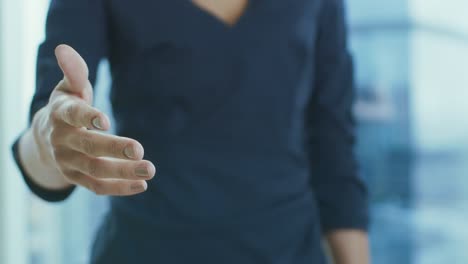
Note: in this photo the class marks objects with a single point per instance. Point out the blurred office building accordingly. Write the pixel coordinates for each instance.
(411, 58)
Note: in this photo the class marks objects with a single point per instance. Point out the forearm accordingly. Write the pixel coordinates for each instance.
(348, 246)
(39, 170)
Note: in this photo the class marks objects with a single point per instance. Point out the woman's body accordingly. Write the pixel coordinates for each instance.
(244, 106)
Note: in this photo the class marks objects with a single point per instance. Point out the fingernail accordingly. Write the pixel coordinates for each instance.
(141, 172)
(129, 152)
(136, 187)
(97, 123)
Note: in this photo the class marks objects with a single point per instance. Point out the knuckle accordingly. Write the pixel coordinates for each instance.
(55, 105)
(70, 112)
(56, 109)
(55, 115)
(123, 172)
(87, 144)
(113, 147)
(88, 115)
(92, 166)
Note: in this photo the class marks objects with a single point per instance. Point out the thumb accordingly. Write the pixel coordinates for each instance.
(75, 72)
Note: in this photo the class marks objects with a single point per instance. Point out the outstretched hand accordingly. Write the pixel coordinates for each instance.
(67, 132)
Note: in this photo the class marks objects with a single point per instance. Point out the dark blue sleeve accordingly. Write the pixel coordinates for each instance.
(340, 192)
(83, 25)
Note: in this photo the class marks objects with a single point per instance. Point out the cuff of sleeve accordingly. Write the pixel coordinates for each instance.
(355, 215)
(355, 223)
(41, 192)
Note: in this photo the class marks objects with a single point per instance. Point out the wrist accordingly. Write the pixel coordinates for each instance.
(348, 246)
(38, 168)
(34, 138)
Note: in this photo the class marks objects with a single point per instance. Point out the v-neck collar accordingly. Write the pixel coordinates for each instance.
(218, 21)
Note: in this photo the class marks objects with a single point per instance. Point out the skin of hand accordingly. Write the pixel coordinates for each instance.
(348, 246)
(65, 145)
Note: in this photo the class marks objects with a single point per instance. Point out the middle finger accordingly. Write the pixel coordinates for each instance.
(97, 144)
(109, 168)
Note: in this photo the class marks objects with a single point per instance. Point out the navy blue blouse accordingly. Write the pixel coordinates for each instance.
(250, 126)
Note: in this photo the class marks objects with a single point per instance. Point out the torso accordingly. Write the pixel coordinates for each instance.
(218, 99)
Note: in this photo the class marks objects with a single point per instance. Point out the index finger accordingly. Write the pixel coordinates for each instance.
(78, 113)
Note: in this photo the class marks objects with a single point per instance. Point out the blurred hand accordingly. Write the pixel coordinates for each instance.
(68, 138)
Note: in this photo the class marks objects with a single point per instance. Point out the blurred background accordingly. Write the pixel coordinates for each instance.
(411, 61)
